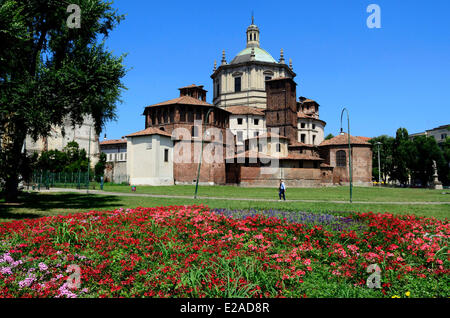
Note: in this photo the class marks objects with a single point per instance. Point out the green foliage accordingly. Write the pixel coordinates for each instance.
(329, 136)
(50, 73)
(71, 159)
(425, 152)
(100, 167)
(386, 159)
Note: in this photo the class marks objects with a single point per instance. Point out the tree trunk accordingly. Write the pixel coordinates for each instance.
(12, 143)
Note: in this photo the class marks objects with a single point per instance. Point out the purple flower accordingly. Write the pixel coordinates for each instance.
(43, 267)
(27, 282)
(6, 270)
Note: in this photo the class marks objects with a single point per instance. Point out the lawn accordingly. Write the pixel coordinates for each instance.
(36, 205)
(368, 194)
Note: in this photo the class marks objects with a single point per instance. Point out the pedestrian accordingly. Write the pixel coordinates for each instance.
(282, 190)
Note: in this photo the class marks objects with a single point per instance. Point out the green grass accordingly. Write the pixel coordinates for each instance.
(367, 194)
(36, 205)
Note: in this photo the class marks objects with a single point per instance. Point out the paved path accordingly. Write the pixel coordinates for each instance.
(226, 198)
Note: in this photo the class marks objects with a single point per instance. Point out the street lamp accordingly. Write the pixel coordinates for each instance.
(379, 164)
(349, 150)
(201, 156)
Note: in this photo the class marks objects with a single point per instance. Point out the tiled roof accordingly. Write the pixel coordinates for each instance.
(268, 135)
(150, 131)
(191, 86)
(245, 110)
(343, 140)
(299, 144)
(303, 115)
(113, 142)
(299, 156)
(183, 100)
(364, 138)
(252, 154)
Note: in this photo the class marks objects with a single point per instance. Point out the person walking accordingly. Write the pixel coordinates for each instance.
(282, 190)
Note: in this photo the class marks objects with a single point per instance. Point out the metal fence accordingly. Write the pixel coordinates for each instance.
(46, 180)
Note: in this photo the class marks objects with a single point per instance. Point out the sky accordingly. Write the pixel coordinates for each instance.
(389, 77)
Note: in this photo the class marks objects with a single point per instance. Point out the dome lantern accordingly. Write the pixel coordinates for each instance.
(253, 35)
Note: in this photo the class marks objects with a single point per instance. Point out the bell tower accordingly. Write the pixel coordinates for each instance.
(281, 112)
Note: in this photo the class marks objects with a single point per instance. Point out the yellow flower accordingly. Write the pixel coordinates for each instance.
(395, 296)
(408, 294)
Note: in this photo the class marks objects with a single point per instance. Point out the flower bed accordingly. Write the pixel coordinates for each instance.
(190, 251)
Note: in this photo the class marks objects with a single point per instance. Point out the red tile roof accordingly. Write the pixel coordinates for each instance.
(245, 110)
(113, 142)
(268, 135)
(343, 140)
(295, 144)
(183, 100)
(364, 138)
(252, 154)
(192, 85)
(299, 156)
(150, 131)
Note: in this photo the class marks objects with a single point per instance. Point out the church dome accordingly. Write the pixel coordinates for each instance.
(260, 55)
(253, 52)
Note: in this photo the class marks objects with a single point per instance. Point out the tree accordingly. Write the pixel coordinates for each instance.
(402, 156)
(100, 167)
(50, 72)
(329, 136)
(425, 153)
(386, 160)
(444, 170)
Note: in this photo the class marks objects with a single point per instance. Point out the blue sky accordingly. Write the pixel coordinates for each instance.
(396, 76)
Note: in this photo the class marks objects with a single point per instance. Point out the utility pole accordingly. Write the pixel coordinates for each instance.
(379, 164)
(89, 159)
(349, 151)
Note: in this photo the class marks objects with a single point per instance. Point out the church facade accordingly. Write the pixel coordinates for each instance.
(254, 133)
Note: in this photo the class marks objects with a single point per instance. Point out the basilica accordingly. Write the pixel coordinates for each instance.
(261, 131)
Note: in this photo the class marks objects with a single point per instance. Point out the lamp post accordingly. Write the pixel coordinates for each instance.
(201, 156)
(89, 159)
(349, 151)
(379, 164)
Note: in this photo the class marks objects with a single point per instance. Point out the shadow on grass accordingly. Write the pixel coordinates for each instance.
(53, 204)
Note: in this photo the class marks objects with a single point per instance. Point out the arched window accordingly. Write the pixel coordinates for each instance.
(341, 158)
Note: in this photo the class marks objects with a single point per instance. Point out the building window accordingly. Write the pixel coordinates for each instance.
(278, 147)
(239, 121)
(302, 125)
(313, 126)
(302, 138)
(166, 155)
(256, 122)
(237, 84)
(314, 139)
(256, 134)
(240, 136)
(443, 136)
(194, 131)
(341, 158)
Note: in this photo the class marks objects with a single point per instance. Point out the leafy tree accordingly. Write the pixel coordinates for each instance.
(386, 159)
(50, 72)
(445, 169)
(402, 156)
(426, 151)
(329, 136)
(100, 167)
